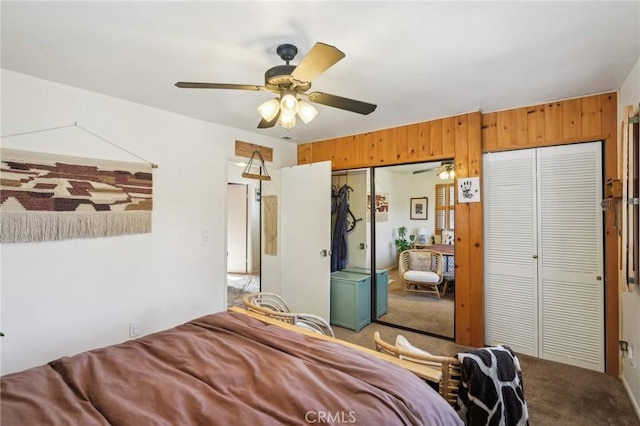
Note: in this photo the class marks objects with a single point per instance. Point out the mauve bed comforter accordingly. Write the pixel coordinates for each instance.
(221, 369)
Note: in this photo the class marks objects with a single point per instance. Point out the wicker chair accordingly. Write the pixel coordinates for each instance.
(421, 271)
(273, 306)
(449, 366)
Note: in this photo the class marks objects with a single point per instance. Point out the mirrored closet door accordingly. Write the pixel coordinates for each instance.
(411, 207)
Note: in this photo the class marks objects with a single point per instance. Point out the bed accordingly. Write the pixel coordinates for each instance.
(224, 368)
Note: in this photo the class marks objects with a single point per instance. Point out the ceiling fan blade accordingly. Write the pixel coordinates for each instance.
(187, 85)
(415, 172)
(342, 103)
(264, 124)
(320, 58)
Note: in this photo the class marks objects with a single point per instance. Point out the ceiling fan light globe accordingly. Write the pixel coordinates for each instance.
(287, 120)
(452, 174)
(268, 110)
(289, 104)
(306, 111)
(444, 175)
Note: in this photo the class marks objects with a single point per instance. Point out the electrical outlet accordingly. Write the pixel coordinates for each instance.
(134, 329)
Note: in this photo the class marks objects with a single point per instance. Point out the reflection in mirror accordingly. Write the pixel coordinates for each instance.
(413, 204)
(350, 239)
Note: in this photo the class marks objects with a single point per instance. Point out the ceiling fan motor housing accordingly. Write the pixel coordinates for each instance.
(279, 77)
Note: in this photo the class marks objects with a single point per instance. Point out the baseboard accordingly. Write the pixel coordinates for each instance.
(630, 394)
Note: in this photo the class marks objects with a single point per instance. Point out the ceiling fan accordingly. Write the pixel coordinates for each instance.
(290, 82)
(444, 171)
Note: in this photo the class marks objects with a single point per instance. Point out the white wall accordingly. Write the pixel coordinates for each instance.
(401, 187)
(630, 328)
(64, 297)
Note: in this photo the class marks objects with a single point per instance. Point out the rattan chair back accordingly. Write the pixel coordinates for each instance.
(449, 366)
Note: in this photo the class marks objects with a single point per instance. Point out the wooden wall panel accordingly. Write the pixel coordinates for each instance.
(465, 138)
(475, 236)
(590, 115)
(336, 150)
(489, 129)
(435, 139)
(402, 143)
(381, 147)
(553, 121)
(519, 126)
(571, 121)
(349, 150)
(413, 142)
(424, 140)
(304, 153)
(503, 136)
(392, 146)
(362, 143)
(608, 120)
(463, 292)
(448, 138)
(535, 125)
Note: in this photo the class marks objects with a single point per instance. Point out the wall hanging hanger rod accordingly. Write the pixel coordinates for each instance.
(75, 124)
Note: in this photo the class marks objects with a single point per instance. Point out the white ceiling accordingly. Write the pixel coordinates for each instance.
(416, 60)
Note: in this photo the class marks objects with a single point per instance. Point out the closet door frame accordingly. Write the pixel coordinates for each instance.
(508, 271)
(571, 275)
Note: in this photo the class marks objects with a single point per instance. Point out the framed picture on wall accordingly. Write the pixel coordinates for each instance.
(419, 208)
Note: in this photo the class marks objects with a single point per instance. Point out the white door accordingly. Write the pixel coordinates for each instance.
(237, 228)
(510, 229)
(544, 287)
(306, 237)
(570, 266)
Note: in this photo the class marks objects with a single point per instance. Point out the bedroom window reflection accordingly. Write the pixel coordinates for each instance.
(445, 208)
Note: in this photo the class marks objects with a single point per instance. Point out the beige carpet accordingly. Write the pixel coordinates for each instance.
(419, 311)
(240, 284)
(556, 394)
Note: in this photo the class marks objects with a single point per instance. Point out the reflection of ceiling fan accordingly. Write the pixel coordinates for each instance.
(290, 82)
(444, 170)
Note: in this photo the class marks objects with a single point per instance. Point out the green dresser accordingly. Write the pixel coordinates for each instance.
(382, 287)
(350, 300)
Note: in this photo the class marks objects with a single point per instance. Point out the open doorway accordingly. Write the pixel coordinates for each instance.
(243, 235)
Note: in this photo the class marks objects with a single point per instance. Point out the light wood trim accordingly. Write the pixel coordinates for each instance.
(246, 149)
(422, 371)
(475, 236)
(255, 176)
(608, 117)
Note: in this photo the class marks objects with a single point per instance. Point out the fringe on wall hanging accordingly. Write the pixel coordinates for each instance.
(54, 197)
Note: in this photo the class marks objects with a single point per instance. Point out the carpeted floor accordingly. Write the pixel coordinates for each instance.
(419, 311)
(556, 394)
(238, 285)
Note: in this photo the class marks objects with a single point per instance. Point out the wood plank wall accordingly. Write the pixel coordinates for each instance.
(586, 119)
(458, 137)
(465, 138)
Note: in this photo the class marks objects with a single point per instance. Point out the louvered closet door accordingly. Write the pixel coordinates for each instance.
(511, 306)
(571, 289)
